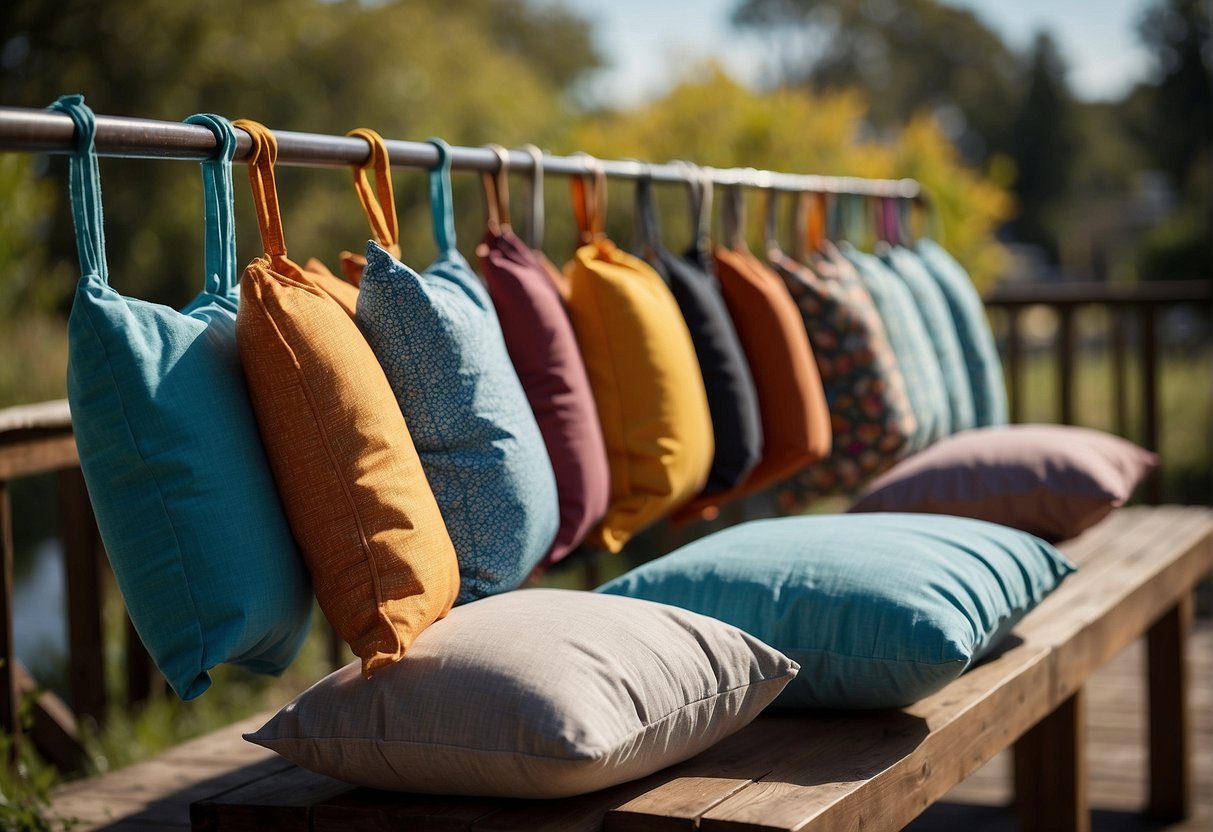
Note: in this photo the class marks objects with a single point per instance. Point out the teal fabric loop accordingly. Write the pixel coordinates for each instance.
(221, 274)
(440, 197)
(85, 183)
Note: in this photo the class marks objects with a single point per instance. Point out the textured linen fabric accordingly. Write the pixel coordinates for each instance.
(915, 355)
(538, 693)
(941, 329)
(977, 342)
(879, 611)
(168, 444)
(647, 385)
(440, 343)
(351, 482)
(1051, 480)
(543, 349)
(870, 411)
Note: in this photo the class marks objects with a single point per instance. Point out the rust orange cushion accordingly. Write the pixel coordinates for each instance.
(647, 386)
(356, 497)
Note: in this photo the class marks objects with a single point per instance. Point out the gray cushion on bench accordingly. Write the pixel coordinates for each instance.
(880, 610)
(534, 693)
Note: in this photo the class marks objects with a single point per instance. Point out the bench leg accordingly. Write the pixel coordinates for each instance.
(1170, 786)
(1051, 772)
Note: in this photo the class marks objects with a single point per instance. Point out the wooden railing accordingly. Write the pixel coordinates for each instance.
(37, 439)
(1125, 303)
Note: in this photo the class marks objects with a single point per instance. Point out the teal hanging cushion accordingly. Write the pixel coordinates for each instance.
(879, 610)
(976, 340)
(440, 343)
(941, 329)
(908, 335)
(175, 469)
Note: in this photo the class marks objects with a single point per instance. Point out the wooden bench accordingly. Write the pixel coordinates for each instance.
(869, 771)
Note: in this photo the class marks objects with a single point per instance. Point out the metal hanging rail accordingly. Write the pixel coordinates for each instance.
(44, 131)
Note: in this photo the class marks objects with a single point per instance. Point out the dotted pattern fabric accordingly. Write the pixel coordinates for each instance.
(440, 343)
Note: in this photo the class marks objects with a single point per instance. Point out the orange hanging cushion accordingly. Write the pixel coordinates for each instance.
(351, 482)
(645, 377)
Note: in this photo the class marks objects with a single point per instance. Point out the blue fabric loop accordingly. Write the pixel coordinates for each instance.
(440, 197)
(85, 182)
(221, 274)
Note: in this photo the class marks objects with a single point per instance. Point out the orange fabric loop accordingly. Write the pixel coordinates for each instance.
(815, 222)
(589, 202)
(265, 190)
(497, 191)
(379, 204)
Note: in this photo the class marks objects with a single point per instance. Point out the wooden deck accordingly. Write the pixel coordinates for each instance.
(130, 799)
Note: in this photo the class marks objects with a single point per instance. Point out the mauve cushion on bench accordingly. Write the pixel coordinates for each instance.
(1050, 480)
(878, 610)
(535, 693)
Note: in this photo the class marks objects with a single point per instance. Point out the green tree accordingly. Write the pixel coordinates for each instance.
(469, 70)
(1044, 146)
(904, 56)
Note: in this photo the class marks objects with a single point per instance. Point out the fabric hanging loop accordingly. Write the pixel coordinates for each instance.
(441, 207)
(265, 188)
(648, 235)
(84, 178)
(589, 201)
(733, 217)
(798, 223)
(379, 203)
(497, 191)
(219, 205)
(816, 208)
(534, 182)
(770, 217)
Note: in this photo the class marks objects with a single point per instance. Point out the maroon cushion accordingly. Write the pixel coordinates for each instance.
(1050, 480)
(544, 351)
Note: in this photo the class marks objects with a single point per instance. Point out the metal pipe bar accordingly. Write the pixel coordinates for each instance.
(45, 131)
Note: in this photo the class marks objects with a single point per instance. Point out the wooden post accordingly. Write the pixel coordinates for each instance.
(1051, 771)
(1014, 362)
(1065, 364)
(1120, 379)
(82, 565)
(10, 698)
(1149, 392)
(1170, 773)
(143, 681)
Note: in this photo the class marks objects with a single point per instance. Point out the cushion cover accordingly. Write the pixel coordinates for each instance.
(176, 472)
(973, 329)
(535, 693)
(1051, 480)
(879, 610)
(650, 395)
(543, 349)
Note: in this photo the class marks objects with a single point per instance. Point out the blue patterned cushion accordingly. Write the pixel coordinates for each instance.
(941, 330)
(879, 610)
(915, 355)
(440, 343)
(169, 447)
(976, 340)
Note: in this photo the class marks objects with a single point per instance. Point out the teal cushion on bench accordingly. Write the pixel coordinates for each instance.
(879, 610)
(535, 693)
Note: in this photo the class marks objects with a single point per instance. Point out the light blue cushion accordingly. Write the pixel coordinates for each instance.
(176, 472)
(879, 610)
(941, 329)
(915, 355)
(973, 329)
(440, 343)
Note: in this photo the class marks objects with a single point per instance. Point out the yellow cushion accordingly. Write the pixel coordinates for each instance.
(647, 386)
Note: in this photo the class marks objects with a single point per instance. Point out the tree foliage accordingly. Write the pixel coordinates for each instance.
(905, 56)
(470, 70)
(718, 122)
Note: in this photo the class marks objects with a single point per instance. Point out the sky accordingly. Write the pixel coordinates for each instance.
(647, 42)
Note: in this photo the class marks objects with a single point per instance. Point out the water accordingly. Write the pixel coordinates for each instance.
(40, 613)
